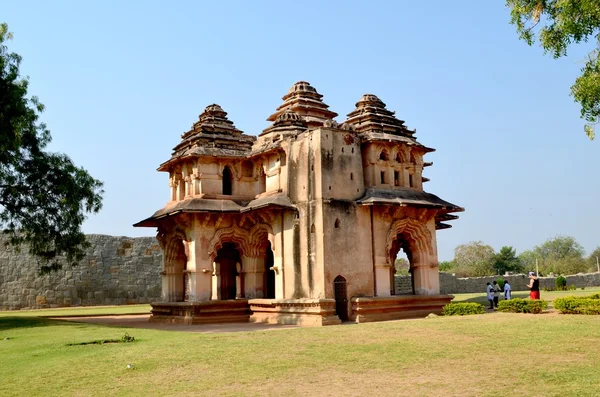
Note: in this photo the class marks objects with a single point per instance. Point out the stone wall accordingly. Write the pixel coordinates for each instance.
(450, 284)
(116, 271)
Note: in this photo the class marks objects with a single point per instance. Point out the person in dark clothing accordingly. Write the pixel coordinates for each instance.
(534, 286)
(497, 290)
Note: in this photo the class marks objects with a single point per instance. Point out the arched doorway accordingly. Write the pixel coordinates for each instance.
(269, 274)
(227, 181)
(401, 280)
(340, 291)
(227, 259)
(175, 271)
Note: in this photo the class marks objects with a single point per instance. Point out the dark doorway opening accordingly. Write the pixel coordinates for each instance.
(401, 280)
(228, 257)
(341, 297)
(269, 274)
(227, 179)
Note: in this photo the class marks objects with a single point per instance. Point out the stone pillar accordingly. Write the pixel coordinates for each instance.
(418, 178)
(165, 286)
(200, 285)
(216, 279)
(174, 283)
(406, 177)
(426, 279)
(382, 277)
(254, 277)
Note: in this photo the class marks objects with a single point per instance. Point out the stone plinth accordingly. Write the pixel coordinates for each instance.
(304, 312)
(217, 311)
(397, 307)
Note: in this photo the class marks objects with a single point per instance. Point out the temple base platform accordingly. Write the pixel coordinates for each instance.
(367, 309)
(303, 312)
(206, 312)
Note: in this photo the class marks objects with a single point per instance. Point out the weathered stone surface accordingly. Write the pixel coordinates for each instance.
(300, 220)
(116, 270)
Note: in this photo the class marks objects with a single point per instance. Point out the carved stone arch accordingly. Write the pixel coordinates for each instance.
(417, 235)
(232, 234)
(384, 154)
(257, 239)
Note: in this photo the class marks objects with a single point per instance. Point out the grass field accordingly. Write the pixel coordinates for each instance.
(491, 354)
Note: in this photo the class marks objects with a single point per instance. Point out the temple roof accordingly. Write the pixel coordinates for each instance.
(212, 135)
(374, 122)
(406, 196)
(199, 205)
(304, 100)
(371, 115)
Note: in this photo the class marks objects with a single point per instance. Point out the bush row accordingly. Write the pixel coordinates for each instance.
(578, 305)
(463, 309)
(518, 305)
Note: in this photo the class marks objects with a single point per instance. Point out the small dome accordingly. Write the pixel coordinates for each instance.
(370, 99)
(213, 108)
(302, 86)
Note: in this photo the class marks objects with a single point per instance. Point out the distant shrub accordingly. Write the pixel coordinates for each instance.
(571, 288)
(518, 305)
(547, 289)
(500, 282)
(582, 288)
(578, 305)
(561, 283)
(463, 309)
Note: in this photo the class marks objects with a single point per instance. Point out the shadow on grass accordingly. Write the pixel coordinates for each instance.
(7, 323)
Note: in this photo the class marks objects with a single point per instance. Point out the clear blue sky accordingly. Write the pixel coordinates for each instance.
(121, 80)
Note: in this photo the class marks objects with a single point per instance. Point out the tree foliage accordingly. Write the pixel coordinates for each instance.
(474, 259)
(507, 261)
(560, 255)
(592, 261)
(558, 24)
(43, 196)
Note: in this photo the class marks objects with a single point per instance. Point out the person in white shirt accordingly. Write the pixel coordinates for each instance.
(490, 295)
(507, 290)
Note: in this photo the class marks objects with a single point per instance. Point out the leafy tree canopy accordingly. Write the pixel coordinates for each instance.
(507, 261)
(558, 24)
(474, 259)
(43, 196)
(560, 255)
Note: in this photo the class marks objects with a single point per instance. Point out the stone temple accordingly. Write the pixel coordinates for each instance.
(302, 224)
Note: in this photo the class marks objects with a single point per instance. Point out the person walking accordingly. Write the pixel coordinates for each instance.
(534, 286)
(490, 295)
(507, 290)
(497, 290)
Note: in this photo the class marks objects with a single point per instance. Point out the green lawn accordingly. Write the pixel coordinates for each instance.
(545, 295)
(79, 311)
(484, 355)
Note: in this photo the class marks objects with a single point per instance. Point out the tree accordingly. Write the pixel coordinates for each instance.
(592, 261)
(560, 255)
(507, 261)
(402, 266)
(474, 259)
(446, 266)
(558, 24)
(43, 196)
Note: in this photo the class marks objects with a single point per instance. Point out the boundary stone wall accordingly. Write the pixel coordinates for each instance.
(115, 271)
(450, 284)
